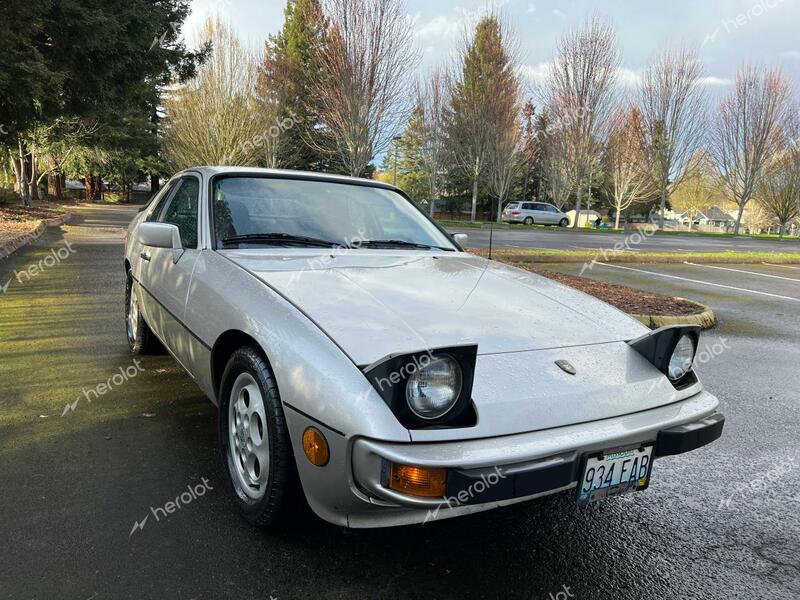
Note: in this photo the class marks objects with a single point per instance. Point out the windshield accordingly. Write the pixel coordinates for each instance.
(260, 210)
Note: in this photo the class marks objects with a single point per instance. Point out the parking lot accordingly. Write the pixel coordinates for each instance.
(93, 447)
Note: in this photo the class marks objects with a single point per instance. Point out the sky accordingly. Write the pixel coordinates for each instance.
(727, 33)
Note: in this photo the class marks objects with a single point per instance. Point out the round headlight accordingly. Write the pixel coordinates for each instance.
(434, 388)
(682, 358)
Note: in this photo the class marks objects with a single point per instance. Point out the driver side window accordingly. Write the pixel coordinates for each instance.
(182, 211)
(162, 202)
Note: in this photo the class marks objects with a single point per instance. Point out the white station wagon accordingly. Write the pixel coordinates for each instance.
(359, 357)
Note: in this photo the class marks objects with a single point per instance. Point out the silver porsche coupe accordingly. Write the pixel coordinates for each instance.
(361, 359)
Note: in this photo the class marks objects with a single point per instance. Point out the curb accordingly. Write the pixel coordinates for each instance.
(705, 319)
(25, 239)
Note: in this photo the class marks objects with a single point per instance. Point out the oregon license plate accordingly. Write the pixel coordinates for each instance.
(615, 472)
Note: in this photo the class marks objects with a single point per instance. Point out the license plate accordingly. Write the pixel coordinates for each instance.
(615, 472)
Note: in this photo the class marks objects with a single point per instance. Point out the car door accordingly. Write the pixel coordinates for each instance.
(155, 208)
(166, 274)
(553, 214)
(527, 210)
(539, 216)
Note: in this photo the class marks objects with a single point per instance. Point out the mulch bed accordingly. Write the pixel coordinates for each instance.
(17, 221)
(629, 300)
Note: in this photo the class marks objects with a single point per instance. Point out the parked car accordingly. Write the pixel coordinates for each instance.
(528, 213)
(360, 358)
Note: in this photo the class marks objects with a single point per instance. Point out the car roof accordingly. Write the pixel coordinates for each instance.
(210, 171)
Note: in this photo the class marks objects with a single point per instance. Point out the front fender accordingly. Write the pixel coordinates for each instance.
(314, 376)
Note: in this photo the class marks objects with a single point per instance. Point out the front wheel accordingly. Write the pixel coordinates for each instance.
(254, 440)
(140, 339)
(563, 223)
(528, 221)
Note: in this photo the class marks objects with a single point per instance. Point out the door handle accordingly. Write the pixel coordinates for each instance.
(144, 256)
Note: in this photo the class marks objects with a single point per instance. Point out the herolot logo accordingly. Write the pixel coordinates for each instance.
(191, 494)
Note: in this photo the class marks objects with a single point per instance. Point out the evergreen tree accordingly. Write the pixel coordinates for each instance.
(289, 66)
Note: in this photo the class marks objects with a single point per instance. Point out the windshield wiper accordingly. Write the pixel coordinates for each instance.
(280, 238)
(400, 244)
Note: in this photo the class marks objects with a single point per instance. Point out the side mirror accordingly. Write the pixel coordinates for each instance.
(460, 239)
(161, 235)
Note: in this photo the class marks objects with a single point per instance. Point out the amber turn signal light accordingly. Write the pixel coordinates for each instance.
(316, 447)
(418, 481)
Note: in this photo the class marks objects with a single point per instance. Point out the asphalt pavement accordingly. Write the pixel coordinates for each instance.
(521, 236)
(81, 466)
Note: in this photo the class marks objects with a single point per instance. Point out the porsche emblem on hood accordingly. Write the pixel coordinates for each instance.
(566, 366)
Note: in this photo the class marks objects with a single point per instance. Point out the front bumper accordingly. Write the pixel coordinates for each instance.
(492, 472)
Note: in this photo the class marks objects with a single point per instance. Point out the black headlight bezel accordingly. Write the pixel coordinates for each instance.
(659, 345)
(390, 376)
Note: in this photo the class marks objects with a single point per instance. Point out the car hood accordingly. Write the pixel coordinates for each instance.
(374, 304)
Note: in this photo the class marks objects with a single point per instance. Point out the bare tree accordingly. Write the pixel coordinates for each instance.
(673, 105)
(778, 190)
(505, 140)
(555, 165)
(579, 93)
(214, 119)
(749, 129)
(363, 78)
(432, 101)
(624, 161)
(696, 191)
(504, 152)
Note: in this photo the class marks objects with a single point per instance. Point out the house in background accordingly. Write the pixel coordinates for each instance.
(709, 219)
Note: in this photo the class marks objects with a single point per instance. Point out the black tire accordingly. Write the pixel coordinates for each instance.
(563, 223)
(140, 340)
(282, 492)
(528, 221)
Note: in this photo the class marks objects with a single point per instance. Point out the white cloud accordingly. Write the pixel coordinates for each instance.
(626, 77)
(791, 54)
(710, 80)
(535, 74)
(629, 77)
(558, 13)
(531, 8)
(438, 27)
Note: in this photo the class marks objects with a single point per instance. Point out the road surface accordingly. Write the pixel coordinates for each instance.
(521, 236)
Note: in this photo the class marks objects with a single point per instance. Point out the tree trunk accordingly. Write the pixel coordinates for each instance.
(55, 190)
(616, 220)
(663, 208)
(577, 222)
(87, 183)
(474, 199)
(738, 219)
(525, 186)
(22, 179)
(17, 176)
(780, 235)
(33, 176)
(155, 184)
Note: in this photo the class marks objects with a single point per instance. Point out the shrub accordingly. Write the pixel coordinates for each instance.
(8, 197)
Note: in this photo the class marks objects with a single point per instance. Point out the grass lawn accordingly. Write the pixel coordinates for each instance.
(534, 255)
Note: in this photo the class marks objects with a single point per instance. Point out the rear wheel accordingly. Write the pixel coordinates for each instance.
(528, 221)
(140, 339)
(254, 440)
(563, 223)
